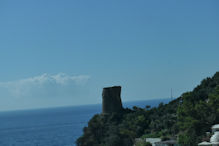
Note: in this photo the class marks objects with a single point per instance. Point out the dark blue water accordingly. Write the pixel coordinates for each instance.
(51, 127)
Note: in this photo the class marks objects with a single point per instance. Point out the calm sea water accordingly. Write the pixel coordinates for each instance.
(51, 127)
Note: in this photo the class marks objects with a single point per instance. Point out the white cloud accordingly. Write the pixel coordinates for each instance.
(45, 86)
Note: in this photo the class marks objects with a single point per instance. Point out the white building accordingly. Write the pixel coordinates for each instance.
(214, 140)
(215, 128)
(153, 140)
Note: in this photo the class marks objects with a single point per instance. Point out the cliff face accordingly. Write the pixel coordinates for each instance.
(111, 100)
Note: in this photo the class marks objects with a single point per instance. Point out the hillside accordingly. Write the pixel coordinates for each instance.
(186, 118)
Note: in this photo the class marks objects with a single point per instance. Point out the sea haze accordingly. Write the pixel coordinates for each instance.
(52, 127)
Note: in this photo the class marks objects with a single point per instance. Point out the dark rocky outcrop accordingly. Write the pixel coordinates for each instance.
(111, 100)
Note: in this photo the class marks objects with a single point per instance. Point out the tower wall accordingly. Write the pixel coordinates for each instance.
(111, 100)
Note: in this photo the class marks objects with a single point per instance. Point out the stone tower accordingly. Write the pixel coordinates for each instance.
(111, 100)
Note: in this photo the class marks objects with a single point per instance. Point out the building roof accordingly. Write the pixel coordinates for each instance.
(216, 126)
(153, 140)
(205, 143)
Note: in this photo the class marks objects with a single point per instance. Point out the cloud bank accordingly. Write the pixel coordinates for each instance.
(49, 89)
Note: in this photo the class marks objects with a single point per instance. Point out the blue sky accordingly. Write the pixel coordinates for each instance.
(57, 53)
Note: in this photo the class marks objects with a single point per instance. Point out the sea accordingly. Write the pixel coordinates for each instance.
(52, 126)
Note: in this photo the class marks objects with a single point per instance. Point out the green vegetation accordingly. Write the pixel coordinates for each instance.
(198, 111)
(187, 117)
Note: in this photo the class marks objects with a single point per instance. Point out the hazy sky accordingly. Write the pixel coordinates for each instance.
(56, 53)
